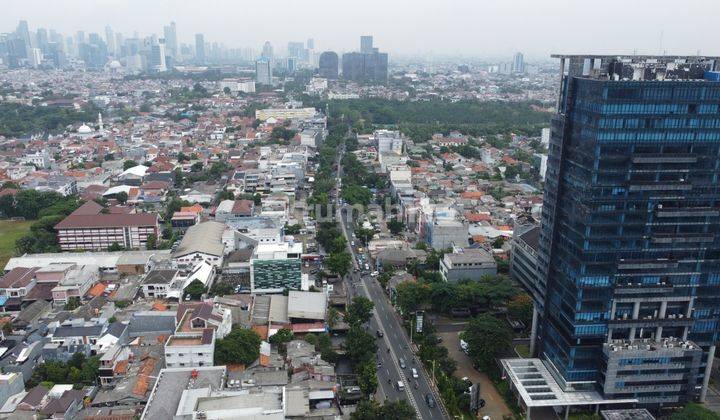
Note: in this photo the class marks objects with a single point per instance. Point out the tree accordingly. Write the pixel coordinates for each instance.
(292, 229)
(151, 242)
(281, 338)
(395, 226)
(521, 307)
(196, 167)
(359, 345)
(333, 316)
(115, 247)
(195, 289)
(121, 197)
(367, 378)
(225, 195)
(222, 288)
(72, 303)
(360, 310)
(364, 234)
(391, 410)
(339, 263)
(240, 346)
(487, 338)
(695, 411)
(226, 90)
(129, 164)
(356, 194)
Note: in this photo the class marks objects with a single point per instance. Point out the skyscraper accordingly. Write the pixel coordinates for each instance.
(366, 44)
(110, 40)
(200, 48)
(518, 64)
(328, 65)
(171, 44)
(267, 51)
(368, 65)
(629, 253)
(263, 72)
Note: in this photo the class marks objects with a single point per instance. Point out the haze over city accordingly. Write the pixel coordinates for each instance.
(468, 27)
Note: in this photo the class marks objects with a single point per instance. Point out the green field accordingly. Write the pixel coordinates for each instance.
(10, 232)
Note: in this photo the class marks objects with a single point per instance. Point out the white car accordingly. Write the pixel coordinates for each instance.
(374, 273)
(414, 373)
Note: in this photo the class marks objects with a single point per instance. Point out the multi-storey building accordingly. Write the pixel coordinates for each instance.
(630, 240)
(87, 228)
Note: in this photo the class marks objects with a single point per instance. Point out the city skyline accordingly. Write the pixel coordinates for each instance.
(480, 30)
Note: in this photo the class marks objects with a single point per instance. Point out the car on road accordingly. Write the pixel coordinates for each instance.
(402, 363)
(400, 386)
(379, 333)
(374, 274)
(414, 373)
(367, 266)
(430, 400)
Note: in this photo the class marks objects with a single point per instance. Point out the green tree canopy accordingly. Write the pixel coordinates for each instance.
(395, 225)
(487, 339)
(360, 310)
(129, 164)
(339, 262)
(195, 289)
(240, 346)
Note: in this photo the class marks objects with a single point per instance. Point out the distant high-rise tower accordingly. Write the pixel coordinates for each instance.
(200, 48)
(110, 41)
(23, 33)
(267, 51)
(310, 44)
(628, 282)
(156, 60)
(366, 44)
(328, 65)
(263, 72)
(368, 65)
(518, 64)
(171, 44)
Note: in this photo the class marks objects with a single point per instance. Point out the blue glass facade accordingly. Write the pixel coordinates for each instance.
(630, 242)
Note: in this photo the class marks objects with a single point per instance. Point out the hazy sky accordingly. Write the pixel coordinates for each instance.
(472, 27)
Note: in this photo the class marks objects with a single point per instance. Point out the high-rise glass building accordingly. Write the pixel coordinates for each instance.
(629, 252)
(200, 48)
(328, 66)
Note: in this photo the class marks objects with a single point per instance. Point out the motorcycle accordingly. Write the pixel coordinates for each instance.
(416, 385)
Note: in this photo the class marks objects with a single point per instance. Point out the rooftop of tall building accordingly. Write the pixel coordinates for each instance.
(640, 67)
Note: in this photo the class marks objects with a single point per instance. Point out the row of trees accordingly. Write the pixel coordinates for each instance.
(79, 371)
(360, 345)
(489, 292)
(421, 119)
(17, 120)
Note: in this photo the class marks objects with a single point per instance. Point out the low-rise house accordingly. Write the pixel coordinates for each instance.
(467, 264)
(193, 317)
(190, 349)
(156, 283)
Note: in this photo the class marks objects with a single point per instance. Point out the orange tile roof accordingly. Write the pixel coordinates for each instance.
(262, 330)
(472, 194)
(477, 217)
(97, 290)
(121, 367)
(159, 306)
(479, 239)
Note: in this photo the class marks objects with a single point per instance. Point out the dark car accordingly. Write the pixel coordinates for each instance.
(430, 400)
(379, 333)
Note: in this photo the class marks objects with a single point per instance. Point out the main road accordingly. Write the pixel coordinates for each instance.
(395, 343)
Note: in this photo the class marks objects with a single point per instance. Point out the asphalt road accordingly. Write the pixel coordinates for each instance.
(394, 345)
